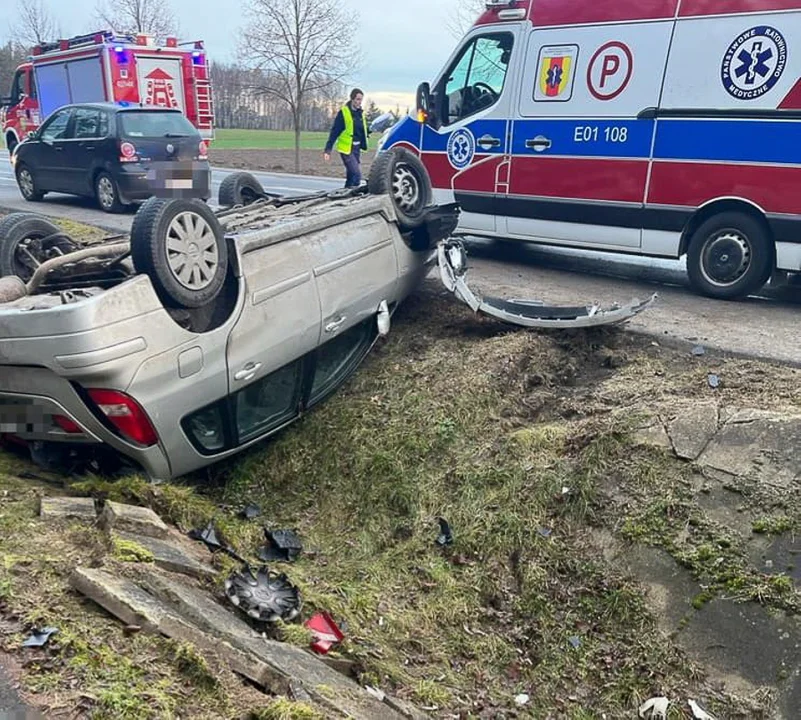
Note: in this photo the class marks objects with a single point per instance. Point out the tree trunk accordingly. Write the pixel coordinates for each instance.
(297, 141)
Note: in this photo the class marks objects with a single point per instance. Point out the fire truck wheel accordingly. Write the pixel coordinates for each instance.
(21, 246)
(181, 246)
(730, 256)
(401, 175)
(239, 188)
(27, 184)
(107, 193)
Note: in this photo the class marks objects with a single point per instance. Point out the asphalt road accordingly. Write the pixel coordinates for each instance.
(764, 326)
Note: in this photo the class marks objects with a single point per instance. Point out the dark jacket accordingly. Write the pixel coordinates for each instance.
(339, 127)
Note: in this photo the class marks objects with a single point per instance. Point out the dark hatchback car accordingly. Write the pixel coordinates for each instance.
(116, 154)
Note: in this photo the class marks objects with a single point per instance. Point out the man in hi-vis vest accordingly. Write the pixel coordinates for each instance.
(349, 137)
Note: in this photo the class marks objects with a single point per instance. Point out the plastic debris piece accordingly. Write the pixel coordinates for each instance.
(264, 596)
(250, 511)
(575, 641)
(714, 381)
(698, 712)
(326, 632)
(699, 350)
(544, 532)
(445, 533)
(208, 536)
(658, 707)
(522, 699)
(38, 638)
(375, 692)
(282, 546)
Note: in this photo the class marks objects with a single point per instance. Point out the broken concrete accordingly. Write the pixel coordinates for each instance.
(59, 508)
(169, 555)
(653, 433)
(133, 519)
(692, 428)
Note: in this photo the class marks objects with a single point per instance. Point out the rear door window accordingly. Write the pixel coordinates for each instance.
(147, 124)
(90, 123)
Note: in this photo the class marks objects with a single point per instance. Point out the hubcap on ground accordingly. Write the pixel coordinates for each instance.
(26, 182)
(105, 192)
(405, 188)
(726, 258)
(192, 251)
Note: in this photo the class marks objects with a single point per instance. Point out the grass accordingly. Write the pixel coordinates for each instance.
(232, 139)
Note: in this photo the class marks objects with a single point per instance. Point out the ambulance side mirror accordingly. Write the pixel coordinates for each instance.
(425, 110)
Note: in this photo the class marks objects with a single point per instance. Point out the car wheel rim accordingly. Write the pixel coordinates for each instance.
(192, 251)
(725, 258)
(26, 183)
(406, 188)
(105, 192)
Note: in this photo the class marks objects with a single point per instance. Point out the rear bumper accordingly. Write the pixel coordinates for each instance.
(179, 179)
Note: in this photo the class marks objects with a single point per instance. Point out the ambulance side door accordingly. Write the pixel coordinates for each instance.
(581, 145)
(466, 155)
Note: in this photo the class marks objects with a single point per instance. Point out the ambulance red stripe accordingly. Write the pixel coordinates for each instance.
(554, 12)
(695, 8)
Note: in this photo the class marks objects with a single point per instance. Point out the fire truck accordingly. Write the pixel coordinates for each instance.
(107, 67)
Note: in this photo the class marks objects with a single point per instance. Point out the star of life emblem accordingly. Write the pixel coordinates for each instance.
(461, 148)
(754, 63)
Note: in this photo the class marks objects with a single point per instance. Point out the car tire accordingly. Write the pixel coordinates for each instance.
(28, 187)
(730, 256)
(166, 232)
(14, 231)
(107, 193)
(239, 188)
(402, 175)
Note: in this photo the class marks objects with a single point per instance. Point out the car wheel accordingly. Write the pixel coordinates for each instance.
(107, 194)
(401, 175)
(730, 256)
(239, 188)
(181, 246)
(27, 184)
(22, 249)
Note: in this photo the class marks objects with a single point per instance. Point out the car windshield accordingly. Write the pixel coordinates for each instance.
(155, 124)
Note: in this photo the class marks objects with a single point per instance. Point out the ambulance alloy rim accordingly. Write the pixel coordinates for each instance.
(725, 258)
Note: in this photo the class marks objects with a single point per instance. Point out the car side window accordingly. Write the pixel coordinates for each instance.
(476, 79)
(56, 128)
(268, 403)
(338, 358)
(90, 123)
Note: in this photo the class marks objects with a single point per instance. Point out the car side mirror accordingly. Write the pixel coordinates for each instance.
(382, 122)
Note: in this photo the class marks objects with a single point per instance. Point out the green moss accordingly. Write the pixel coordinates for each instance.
(129, 551)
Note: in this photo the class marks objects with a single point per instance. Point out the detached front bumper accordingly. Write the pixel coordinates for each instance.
(452, 259)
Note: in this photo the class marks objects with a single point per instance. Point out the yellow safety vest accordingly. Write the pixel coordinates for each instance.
(345, 139)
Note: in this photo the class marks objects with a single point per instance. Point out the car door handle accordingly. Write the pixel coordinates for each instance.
(332, 327)
(539, 143)
(248, 372)
(88, 147)
(487, 142)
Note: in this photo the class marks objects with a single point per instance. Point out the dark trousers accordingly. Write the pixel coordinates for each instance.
(353, 167)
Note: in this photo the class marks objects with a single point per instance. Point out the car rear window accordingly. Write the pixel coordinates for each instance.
(155, 124)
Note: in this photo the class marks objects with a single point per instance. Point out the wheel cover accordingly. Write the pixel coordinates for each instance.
(406, 188)
(725, 258)
(26, 182)
(192, 252)
(105, 192)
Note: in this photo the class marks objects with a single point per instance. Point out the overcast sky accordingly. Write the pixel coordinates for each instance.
(403, 41)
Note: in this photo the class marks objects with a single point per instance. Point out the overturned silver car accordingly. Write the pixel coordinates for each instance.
(205, 332)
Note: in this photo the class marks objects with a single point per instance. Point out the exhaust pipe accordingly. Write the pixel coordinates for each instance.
(12, 288)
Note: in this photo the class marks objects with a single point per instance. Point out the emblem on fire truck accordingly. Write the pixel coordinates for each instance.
(160, 91)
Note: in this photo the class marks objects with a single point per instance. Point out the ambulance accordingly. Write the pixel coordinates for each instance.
(107, 67)
(660, 128)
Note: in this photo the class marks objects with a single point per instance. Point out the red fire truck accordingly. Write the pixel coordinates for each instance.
(106, 67)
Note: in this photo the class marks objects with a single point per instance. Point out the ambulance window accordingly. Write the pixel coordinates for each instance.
(476, 79)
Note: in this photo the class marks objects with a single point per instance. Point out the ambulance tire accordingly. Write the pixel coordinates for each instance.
(400, 174)
(168, 235)
(239, 188)
(730, 256)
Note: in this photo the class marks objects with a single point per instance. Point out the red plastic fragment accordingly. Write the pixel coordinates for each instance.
(326, 632)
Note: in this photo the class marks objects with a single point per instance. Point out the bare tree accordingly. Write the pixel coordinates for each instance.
(465, 15)
(302, 48)
(152, 17)
(35, 24)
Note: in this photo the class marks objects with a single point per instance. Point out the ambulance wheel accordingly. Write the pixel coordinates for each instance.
(27, 184)
(402, 175)
(239, 188)
(180, 244)
(107, 194)
(730, 256)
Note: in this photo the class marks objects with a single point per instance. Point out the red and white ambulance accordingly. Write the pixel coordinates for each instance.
(661, 128)
(105, 67)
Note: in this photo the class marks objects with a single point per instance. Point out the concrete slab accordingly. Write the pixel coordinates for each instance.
(59, 508)
(133, 519)
(692, 428)
(169, 555)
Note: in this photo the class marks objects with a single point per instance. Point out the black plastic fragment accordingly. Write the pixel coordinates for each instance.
(208, 536)
(445, 533)
(282, 546)
(38, 638)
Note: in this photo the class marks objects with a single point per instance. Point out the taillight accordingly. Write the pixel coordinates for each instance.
(128, 152)
(203, 150)
(67, 425)
(125, 414)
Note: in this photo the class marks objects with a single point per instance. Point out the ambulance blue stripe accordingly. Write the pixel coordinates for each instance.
(434, 142)
(407, 130)
(586, 138)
